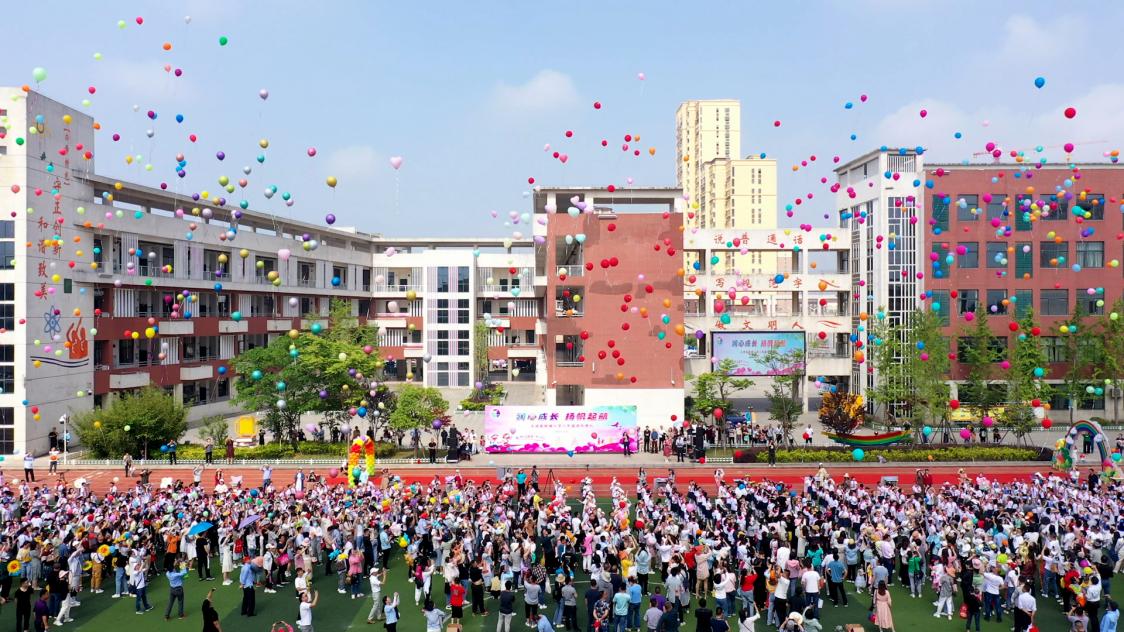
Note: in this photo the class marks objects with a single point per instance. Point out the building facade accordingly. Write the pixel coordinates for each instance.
(610, 277)
(1007, 239)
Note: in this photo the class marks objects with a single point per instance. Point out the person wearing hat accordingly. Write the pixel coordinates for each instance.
(377, 580)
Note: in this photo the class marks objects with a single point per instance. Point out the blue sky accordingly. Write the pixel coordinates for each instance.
(469, 93)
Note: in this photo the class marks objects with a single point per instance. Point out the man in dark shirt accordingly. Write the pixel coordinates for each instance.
(210, 615)
(23, 606)
(669, 622)
(476, 576)
(592, 594)
(42, 611)
(507, 605)
(703, 616)
(59, 589)
(203, 557)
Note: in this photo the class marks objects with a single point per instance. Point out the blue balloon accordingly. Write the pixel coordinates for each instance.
(1039, 82)
(858, 454)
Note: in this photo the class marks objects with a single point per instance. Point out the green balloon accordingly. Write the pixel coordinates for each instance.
(19, 141)
(223, 40)
(39, 74)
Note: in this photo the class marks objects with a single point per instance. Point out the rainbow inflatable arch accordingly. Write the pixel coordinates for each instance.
(360, 447)
(1063, 449)
(869, 441)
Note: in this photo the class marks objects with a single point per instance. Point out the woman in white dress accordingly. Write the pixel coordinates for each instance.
(226, 556)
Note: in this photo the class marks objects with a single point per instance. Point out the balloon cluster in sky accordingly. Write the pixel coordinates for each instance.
(176, 147)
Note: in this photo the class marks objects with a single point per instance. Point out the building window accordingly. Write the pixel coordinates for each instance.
(7, 368)
(1054, 302)
(462, 342)
(1058, 210)
(442, 311)
(939, 302)
(940, 212)
(462, 311)
(1024, 260)
(1090, 254)
(969, 300)
(442, 342)
(567, 301)
(967, 208)
(7, 245)
(971, 256)
(7, 307)
(7, 430)
(1092, 300)
(996, 254)
(462, 279)
(442, 373)
(442, 279)
(126, 352)
(1024, 302)
(964, 344)
(996, 301)
(1093, 206)
(1022, 212)
(568, 352)
(1053, 254)
(997, 207)
(1054, 348)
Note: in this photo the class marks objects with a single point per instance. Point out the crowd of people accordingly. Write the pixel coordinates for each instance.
(731, 556)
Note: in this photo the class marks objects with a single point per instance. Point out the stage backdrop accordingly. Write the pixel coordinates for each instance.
(577, 429)
(747, 348)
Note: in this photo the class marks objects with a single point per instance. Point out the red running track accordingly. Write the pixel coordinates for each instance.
(100, 480)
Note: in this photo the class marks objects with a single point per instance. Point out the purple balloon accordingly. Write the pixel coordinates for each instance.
(436, 424)
(330, 219)
(699, 334)
(220, 155)
(323, 394)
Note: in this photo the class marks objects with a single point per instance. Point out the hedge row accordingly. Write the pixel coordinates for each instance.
(305, 450)
(915, 453)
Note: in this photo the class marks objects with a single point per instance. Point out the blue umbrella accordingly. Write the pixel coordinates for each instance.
(199, 528)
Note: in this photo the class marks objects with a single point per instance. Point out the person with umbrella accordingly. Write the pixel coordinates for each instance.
(202, 552)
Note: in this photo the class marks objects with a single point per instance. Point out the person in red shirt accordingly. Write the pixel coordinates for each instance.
(456, 602)
(690, 562)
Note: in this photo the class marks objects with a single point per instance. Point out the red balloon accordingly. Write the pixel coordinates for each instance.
(1046, 423)
(612, 343)
(1070, 112)
(954, 404)
(625, 326)
(718, 412)
(611, 227)
(1013, 326)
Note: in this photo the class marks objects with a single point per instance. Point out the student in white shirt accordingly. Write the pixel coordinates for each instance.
(308, 602)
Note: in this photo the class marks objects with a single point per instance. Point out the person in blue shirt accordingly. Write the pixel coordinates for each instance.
(246, 581)
(390, 612)
(1111, 617)
(175, 577)
(836, 572)
(635, 600)
(544, 624)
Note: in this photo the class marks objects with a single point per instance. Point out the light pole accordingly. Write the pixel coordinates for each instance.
(64, 419)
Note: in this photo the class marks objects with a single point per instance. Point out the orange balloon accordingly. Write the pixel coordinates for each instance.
(651, 151)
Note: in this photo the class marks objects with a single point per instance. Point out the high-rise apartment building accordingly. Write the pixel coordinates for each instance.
(723, 190)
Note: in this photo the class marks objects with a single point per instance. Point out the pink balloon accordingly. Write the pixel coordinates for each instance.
(396, 161)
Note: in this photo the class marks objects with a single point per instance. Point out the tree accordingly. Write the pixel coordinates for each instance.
(418, 407)
(1084, 349)
(981, 351)
(215, 428)
(1112, 343)
(327, 371)
(787, 369)
(133, 423)
(480, 362)
(713, 389)
(1025, 381)
(841, 411)
(911, 359)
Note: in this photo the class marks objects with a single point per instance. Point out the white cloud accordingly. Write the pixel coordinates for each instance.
(1098, 127)
(549, 90)
(1026, 40)
(144, 82)
(355, 161)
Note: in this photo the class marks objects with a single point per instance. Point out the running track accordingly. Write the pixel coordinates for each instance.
(100, 479)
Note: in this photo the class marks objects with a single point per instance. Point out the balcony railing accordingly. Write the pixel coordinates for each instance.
(387, 287)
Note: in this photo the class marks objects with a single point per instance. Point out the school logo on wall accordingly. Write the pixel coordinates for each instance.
(77, 344)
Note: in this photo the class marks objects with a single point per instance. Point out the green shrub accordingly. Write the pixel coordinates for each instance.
(491, 395)
(845, 454)
(278, 451)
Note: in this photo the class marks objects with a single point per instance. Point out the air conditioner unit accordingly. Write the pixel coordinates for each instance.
(1115, 393)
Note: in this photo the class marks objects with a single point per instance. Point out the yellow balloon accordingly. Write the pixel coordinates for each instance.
(263, 143)
(243, 253)
(411, 295)
(331, 181)
(149, 333)
(66, 119)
